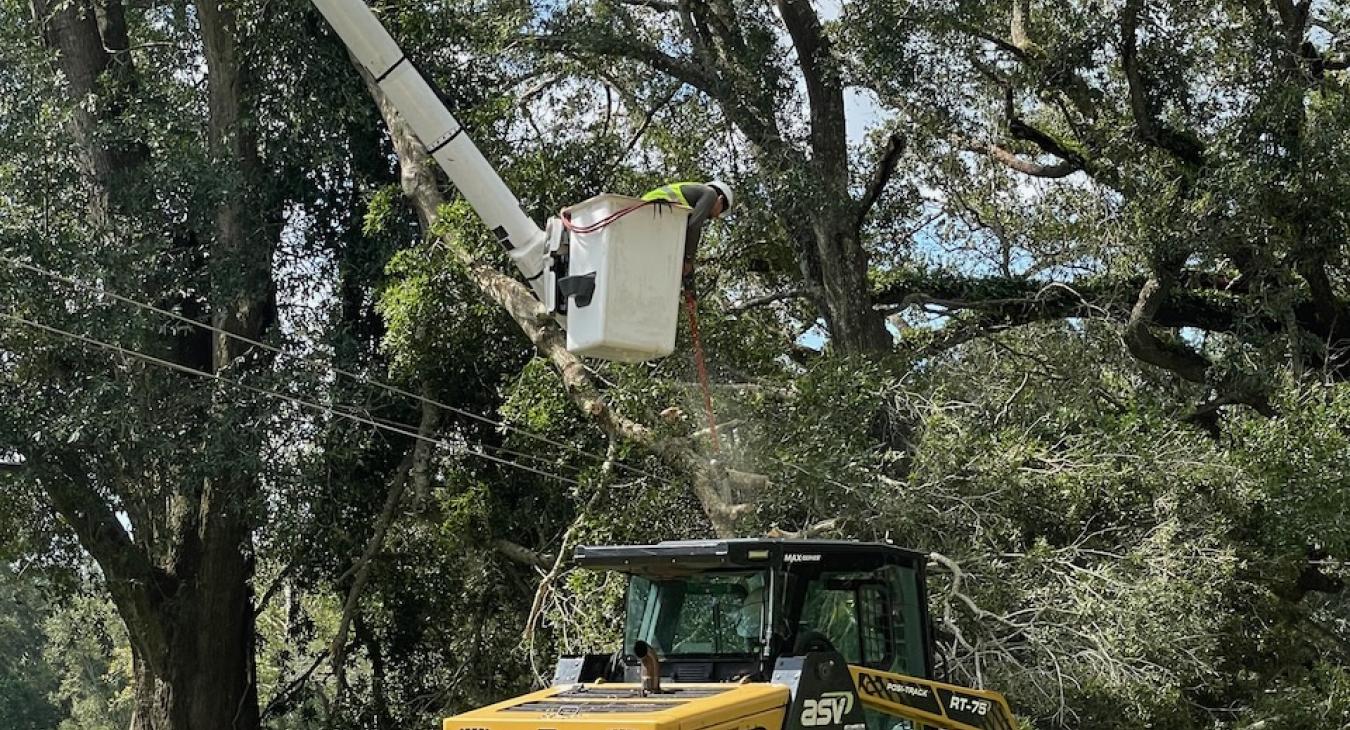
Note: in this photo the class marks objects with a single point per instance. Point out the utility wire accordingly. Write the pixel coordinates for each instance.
(574, 471)
(101, 291)
(400, 429)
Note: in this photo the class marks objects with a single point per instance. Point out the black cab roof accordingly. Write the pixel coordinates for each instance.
(675, 557)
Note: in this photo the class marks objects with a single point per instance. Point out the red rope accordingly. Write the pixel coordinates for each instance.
(702, 368)
(593, 227)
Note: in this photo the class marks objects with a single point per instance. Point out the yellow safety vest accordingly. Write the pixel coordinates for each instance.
(672, 193)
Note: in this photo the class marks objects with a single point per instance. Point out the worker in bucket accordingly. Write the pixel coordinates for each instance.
(706, 201)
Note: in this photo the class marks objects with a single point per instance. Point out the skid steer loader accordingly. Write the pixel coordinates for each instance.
(757, 635)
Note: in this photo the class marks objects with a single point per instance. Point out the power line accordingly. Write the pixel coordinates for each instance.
(101, 291)
(571, 470)
(400, 429)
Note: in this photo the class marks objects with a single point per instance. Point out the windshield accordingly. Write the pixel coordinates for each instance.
(704, 614)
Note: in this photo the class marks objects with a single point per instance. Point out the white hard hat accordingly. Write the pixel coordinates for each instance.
(725, 190)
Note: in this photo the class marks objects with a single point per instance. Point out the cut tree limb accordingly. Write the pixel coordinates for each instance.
(813, 530)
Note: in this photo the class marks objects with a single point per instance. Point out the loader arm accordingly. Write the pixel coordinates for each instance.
(931, 703)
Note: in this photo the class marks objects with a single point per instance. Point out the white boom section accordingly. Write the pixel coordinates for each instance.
(443, 136)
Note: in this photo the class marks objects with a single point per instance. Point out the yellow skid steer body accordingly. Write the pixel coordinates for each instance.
(752, 706)
(622, 706)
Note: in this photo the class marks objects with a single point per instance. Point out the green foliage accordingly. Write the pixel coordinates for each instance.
(27, 682)
(87, 648)
(1106, 559)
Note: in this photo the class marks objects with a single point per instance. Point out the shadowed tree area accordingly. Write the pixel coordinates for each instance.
(1057, 292)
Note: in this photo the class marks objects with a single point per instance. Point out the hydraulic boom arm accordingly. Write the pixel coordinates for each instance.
(930, 703)
(443, 136)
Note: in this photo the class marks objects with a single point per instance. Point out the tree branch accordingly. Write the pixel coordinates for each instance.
(890, 157)
(1061, 169)
(760, 301)
(546, 583)
(136, 585)
(1012, 301)
(813, 530)
(414, 467)
(1146, 346)
(1021, 9)
(664, 6)
(683, 69)
(1142, 106)
(523, 555)
(1001, 43)
(824, 91)
(283, 697)
(1020, 129)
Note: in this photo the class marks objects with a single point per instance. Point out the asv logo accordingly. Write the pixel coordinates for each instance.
(828, 710)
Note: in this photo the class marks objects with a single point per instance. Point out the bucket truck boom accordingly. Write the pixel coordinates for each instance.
(614, 276)
(443, 136)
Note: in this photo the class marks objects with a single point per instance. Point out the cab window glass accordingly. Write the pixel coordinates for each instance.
(709, 613)
(870, 617)
(833, 612)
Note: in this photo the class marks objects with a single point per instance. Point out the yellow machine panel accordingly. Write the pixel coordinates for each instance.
(624, 707)
(937, 704)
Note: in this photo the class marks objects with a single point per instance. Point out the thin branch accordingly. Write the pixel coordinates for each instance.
(766, 299)
(546, 583)
(682, 69)
(1142, 106)
(1061, 169)
(1000, 43)
(261, 604)
(890, 157)
(647, 120)
(413, 469)
(283, 698)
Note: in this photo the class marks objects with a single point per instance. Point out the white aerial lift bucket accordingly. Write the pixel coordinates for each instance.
(634, 263)
(622, 281)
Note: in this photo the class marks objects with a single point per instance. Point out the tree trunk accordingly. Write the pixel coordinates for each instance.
(204, 679)
(855, 326)
(185, 595)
